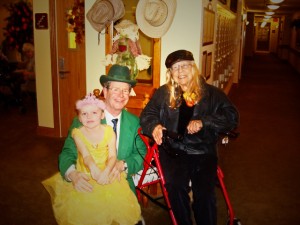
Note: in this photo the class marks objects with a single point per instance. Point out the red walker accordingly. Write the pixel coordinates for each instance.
(153, 155)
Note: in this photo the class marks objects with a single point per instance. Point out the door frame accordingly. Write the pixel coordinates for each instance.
(56, 131)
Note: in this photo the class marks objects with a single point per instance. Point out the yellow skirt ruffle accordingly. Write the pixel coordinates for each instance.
(114, 203)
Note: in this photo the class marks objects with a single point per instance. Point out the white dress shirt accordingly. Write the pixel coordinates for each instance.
(108, 118)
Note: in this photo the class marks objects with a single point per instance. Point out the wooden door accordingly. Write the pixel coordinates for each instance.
(71, 75)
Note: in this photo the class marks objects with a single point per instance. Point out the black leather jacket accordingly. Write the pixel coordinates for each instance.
(215, 110)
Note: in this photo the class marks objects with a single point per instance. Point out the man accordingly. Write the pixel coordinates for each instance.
(130, 148)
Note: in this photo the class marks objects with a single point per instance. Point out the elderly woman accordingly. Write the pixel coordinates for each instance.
(27, 67)
(185, 117)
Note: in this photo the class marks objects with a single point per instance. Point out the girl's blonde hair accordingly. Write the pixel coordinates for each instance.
(196, 86)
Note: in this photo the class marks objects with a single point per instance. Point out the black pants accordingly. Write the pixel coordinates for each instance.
(201, 170)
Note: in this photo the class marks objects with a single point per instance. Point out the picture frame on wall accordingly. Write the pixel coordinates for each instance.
(208, 26)
(208, 65)
(203, 71)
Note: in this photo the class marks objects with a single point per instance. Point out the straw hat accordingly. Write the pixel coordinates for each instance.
(103, 12)
(154, 17)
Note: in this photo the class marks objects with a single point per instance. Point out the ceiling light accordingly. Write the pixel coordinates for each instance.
(273, 6)
(269, 13)
(276, 1)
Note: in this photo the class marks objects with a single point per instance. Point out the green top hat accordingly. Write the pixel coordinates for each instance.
(118, 73)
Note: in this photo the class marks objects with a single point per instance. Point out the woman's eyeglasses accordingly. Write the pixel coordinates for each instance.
(182, 67)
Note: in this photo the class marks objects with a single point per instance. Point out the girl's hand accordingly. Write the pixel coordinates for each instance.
(116, 171)
(194, 126)
(95, 172)
(104, 177)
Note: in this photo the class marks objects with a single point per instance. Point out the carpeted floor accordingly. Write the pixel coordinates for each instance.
(261, 167)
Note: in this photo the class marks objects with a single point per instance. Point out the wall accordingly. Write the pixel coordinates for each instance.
(187, 21)
(294, 52)
(95, 53)
(184, 33)
(250, 32)
(43, 69)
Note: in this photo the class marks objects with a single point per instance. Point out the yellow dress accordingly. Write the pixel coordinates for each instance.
(114, 203)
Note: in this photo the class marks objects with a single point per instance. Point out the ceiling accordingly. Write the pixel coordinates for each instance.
(286, 7)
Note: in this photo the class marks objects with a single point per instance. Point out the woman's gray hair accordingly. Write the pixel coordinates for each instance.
(28, 47)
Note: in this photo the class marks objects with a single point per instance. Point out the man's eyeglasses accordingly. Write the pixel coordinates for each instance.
(183, 67)
(117, 90)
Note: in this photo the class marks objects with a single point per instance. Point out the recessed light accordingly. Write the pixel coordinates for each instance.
(276, 1)
(269, 13)
(273, 6)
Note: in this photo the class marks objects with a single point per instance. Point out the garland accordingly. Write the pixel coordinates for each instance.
(19, 28)
(75, 19)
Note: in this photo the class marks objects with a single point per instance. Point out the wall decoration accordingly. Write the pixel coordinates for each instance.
(75, 18)
(41, 21)
(126, 49)
(204, 55)
(208, 65)
(208, 26)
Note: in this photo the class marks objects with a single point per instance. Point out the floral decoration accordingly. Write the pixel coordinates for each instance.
(75, 19)
(19, 28)
(126, 49)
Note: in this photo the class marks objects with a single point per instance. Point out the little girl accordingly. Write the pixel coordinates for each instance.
(111, 201)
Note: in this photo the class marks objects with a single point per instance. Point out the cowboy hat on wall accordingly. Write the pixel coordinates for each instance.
(103, 12)
(154, 17)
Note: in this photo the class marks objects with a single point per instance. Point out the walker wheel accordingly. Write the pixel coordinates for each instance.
(235, 222)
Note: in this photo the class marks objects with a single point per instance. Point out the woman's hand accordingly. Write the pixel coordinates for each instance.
(194, 126)
(157, 134)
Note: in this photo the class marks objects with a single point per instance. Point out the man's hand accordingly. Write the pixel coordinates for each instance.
(80, 181)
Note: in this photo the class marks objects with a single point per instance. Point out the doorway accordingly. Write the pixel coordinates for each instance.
(68, 69)
(263, 37)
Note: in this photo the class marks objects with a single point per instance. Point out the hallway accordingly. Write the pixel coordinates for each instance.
(261, 167)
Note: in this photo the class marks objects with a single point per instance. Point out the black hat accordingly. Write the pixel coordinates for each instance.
(178, 56)
(118, 73)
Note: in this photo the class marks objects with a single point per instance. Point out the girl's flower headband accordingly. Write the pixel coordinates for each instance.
(90, 99)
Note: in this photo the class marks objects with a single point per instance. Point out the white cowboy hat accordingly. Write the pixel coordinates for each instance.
(103, 12)
(154, 17)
